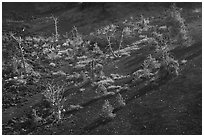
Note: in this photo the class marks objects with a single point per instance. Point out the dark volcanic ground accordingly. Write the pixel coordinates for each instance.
(172, 107)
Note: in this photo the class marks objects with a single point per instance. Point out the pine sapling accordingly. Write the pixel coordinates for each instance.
(102, 89)
(120, 100)
(107, 110)
(110, 45)
(54, 95)
(183, 36)
(19, 40)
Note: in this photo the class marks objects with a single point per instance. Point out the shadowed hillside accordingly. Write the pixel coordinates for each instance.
(102, 69)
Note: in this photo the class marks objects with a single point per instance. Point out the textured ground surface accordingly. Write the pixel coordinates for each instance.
(174, 106)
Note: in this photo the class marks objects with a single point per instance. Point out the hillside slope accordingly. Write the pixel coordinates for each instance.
(170, 105)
